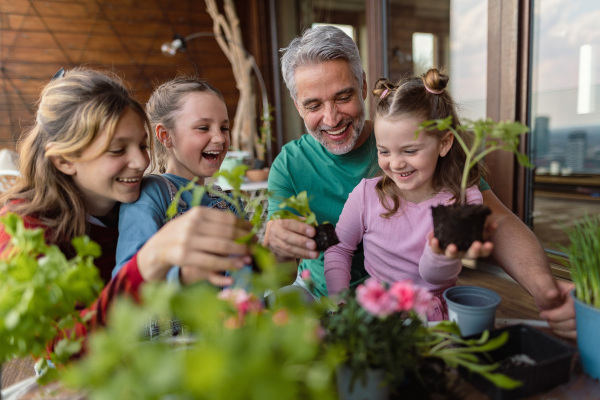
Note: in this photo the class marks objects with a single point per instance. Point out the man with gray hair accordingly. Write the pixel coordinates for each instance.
(323, 72)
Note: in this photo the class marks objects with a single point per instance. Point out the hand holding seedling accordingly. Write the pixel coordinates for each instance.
(324, 237)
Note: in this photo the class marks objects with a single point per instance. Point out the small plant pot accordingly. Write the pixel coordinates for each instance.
(257, 175)
(325, 237)
(372, 387)
(587, 320)
(459, 224)
(472, 308)
(536, 359)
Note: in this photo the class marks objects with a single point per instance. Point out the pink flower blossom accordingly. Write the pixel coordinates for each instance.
(241, 300)
(423, 300)
(374, 298)
(404, 292)
(305, 275)
(280, 317)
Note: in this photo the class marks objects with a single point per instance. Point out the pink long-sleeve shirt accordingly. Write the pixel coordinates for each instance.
(395, 248)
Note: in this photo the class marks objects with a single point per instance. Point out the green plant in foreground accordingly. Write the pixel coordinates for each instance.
(379, 327)
(488, 136)
(584, 256)
(40, 291)
(233, 350)
(299, 204)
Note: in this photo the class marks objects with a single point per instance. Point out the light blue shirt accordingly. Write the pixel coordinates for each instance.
(140, 220)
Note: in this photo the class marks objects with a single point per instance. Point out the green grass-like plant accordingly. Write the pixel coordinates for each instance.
(584, 256)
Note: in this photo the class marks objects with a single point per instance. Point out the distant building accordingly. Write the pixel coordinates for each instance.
(575, 151)
(541, 137)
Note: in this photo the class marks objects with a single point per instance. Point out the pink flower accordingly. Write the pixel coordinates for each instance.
(404, 292)
(241, 300)
(374, 298)
(305, 275)
(423, 300)
(280, 317)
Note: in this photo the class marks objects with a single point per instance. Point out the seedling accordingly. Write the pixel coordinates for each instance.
(325, 236)
(488, 136)
(459, 223)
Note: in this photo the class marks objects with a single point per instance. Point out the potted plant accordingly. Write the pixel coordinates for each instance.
(40, 293)
(584, 257)
(325, 236)
(460, 223)
(379, 334)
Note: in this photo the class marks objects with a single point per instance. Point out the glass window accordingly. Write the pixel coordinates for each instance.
(565, 115)
(447, 34)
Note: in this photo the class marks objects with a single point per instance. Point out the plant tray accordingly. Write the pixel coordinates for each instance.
(552, 363)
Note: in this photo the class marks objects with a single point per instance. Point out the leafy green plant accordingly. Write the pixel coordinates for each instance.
(584, 256)
(233, 348)
(40, 292)
(488, 136)
(381, 328)
(325, 236)
(300, 204)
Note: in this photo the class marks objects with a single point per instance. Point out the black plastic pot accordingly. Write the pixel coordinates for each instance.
(459, 224)
(551, 365)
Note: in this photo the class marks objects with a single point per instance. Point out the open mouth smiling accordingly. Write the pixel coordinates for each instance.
(211, 155)
(128, 180)
(337, 132)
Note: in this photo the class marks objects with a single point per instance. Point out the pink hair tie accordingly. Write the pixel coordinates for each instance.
(434, 91)
(385, 92)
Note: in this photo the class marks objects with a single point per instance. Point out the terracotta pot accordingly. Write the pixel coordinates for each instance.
(257, 175)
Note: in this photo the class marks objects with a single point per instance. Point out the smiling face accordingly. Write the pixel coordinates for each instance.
(410, 162)
(331, 104)
(116, 174)
(198, 143)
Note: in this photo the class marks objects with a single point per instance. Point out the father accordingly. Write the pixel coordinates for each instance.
(323, 72)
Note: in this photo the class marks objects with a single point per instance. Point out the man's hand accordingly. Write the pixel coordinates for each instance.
(291, 238)
(559, 309)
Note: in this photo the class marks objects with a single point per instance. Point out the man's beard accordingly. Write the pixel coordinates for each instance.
(348, 145)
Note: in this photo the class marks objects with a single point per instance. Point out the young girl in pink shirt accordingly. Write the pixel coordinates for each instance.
(391, 214)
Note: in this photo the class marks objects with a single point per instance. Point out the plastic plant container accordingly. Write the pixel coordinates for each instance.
(551, 357)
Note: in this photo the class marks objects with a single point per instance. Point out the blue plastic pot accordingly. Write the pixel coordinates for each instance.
(473, 308)
(587, 319)
(372, 388)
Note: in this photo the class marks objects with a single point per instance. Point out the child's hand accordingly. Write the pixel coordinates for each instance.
(477, 249)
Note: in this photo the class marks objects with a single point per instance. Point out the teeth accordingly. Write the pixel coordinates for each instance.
(405, 174)
(214, 153)
(337, 132)
(128, 180)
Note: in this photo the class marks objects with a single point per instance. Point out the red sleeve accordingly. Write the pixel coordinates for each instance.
(126, 282)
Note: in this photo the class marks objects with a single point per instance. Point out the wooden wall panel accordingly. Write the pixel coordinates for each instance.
(38, 37)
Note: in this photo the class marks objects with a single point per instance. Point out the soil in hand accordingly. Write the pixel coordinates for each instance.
(325, 237)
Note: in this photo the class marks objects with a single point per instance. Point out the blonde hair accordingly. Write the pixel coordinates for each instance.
(72, 112)
(164, 104)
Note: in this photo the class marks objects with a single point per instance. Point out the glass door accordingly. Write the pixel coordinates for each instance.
(564, 116)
